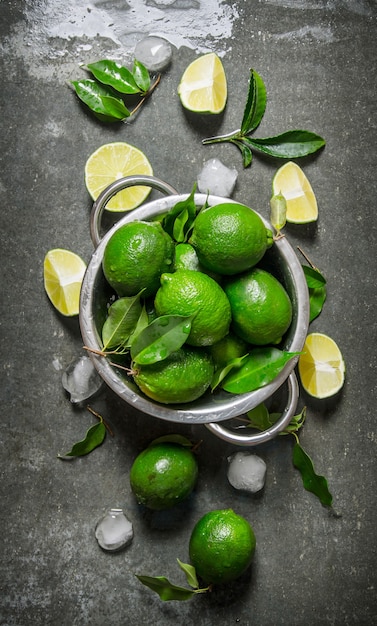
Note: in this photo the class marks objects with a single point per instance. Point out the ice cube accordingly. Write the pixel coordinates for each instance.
(154, 52)
(114, 531)
(246, 471)
(81, 379)
(217, 179)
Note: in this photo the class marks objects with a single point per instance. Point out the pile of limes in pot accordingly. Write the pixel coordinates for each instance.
(210, 278)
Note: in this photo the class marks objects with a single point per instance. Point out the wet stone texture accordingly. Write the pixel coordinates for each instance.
(311, 566)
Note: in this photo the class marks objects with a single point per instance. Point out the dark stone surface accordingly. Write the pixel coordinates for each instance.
(311, 566)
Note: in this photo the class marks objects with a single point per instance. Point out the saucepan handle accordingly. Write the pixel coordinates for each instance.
(113, 188)
(269, 433)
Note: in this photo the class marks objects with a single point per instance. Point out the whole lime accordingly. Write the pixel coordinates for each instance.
(229, 238)
(182, 377)
(135, 257)
(222, 546)
(261, 307)
(188, 292)
(163, 475)
(227, 349)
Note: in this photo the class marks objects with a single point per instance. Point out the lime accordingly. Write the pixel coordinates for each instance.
(293, 184)
(261, 308)
(135, 257)
(63, 272)
(203, 87)
(188, 292)
(321, 366)
(182, 377)
(111, 162)
(187, 259)
(229, 238)
(222, 546)
(227, 349)
(163, 475)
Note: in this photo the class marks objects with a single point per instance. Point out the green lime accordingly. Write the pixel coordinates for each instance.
(188, 292)
(135, 257)
(187, 259)
(163, 475)
(229, 238)
(182, 377)
(227, 349)
(261, 308)
(222, 546)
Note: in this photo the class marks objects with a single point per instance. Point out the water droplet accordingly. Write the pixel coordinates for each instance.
(154, 52)
(114, 531)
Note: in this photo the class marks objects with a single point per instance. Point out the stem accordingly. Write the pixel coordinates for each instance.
(93, 412)
(307, 258)
(220, 138)
(149, 92)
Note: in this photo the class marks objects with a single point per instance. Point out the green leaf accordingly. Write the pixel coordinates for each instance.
(141, 76)
(123, 316)
(260, 367)
(190, 572)
(260, 417)
(93, 438)
(311, 481)
(179, 439)
(313, 277)
(160, 338)
(165, 589)
(113, 74)
(278, 211)
(289, 145)
(100, 100)
(142, 323)
(247, 155)
(179, 220)
(222, 372)
(255, 104)
(317, 298)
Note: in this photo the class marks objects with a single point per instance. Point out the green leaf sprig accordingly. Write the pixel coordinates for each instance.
(168, 591)
(291, 144)
(94, 437)
(105, 93)
(261, 419)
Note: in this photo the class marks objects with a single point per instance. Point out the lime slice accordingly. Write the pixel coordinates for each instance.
(111, 162)
(321, 366)
(293, 184)
(203, 87)
(63, 272)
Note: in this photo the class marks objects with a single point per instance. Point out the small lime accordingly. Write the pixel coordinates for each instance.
(163, 475)
(135, 257)
(182, 377)
(188, 292)
(229, 238)
(227, 349)
(222, 546)
(261, 308)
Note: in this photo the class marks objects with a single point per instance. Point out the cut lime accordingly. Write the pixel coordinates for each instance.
(111, 162)
(63, 272)
(203, 87)
(321, 366)
(292, 183)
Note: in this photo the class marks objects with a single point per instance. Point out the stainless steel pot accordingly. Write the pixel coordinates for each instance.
(210, 409)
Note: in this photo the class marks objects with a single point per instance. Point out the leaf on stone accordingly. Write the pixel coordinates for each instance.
(292, 144)
(255, 104)
(260, 367)
(190, 572)
(160, 338)
(165, 589)
(123, 316)
(312, 482)
(313, 277)
(101, 100)
(93, 438)
(141, 76)
(113, 74)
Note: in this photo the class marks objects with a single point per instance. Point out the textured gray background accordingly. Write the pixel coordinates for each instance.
(319, 64)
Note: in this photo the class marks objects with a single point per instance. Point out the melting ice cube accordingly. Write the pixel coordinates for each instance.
(81, 379)
(114, 531)
(217, 179)
(154, 52)
(246, 471)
